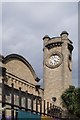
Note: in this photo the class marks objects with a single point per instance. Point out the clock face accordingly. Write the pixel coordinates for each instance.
(54, 60)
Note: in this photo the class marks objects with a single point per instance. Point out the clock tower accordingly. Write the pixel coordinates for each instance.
(57, 65)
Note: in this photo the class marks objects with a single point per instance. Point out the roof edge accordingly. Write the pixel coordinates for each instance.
(21, 58)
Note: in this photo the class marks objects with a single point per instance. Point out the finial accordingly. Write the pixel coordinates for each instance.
(64, 32)
(46, 36)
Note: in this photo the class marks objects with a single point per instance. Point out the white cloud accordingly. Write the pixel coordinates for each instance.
(40, 0)
(24, 25)
(1, 28)
(8, 34)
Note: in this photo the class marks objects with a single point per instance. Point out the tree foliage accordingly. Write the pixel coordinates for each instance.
(71, 100)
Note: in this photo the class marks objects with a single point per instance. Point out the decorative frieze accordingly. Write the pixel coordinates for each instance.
(55, 44)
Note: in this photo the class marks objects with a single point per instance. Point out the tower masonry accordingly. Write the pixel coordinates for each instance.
(57, 65)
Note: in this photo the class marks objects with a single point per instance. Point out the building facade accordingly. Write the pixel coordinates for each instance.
(57, 73)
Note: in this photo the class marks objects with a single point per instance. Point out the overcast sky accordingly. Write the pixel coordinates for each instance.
(24, 24)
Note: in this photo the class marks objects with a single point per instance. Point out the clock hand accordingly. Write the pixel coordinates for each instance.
(51, 62)
(56, 60)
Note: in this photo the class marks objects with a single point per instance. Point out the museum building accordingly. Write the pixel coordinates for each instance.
(19, 86)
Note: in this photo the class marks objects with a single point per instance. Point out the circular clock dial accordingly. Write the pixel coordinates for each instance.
(54, 60)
